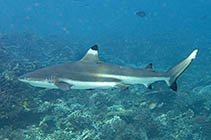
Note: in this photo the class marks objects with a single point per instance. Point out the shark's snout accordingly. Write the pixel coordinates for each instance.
(36, 81)
(23, 78)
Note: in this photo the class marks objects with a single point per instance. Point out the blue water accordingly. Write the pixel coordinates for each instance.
(86, 18)
(39, 33)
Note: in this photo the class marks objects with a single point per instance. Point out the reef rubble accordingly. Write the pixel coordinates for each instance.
(28, 113)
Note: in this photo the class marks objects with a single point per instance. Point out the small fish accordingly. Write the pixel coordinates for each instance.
(141, 13)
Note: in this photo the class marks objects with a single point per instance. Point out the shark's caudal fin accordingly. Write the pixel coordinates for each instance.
(177, 70)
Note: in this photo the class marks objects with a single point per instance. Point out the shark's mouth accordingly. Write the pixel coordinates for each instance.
(43, 84)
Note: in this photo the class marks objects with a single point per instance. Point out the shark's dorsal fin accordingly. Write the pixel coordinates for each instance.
(91, 55)
(149, 67)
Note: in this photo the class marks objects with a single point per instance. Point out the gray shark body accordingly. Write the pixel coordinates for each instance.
(91, 73)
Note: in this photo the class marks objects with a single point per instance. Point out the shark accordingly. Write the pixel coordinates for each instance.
(92, 73)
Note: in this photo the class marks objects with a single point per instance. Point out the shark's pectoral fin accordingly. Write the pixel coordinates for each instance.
(122, 86)
(63, 85)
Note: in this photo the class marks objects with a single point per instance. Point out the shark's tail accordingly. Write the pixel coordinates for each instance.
(177, 70)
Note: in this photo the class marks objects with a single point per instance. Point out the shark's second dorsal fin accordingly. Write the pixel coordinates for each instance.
(149, 67)
(91, 55)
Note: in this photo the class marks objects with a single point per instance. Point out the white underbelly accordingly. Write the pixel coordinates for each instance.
(135, 80)
(43, 84)
(90, 85)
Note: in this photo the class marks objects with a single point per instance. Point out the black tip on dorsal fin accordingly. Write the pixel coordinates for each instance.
(95, 47)
(148, 67)
(91, 55)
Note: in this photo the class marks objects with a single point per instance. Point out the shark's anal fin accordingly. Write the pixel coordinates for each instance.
(150, 86)
(63, 85)
(122, 86)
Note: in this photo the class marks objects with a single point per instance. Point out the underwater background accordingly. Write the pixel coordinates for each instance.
(39, 33)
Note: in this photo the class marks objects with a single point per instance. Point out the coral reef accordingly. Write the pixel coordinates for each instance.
(28, 113)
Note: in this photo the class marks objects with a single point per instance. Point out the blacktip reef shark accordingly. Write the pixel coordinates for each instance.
(91, 73)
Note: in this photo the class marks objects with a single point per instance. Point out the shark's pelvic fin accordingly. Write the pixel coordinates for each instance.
(177, 70)
(122, 86)
(91, 55)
